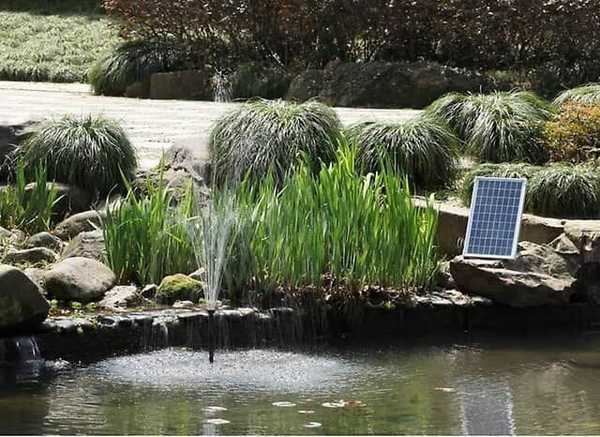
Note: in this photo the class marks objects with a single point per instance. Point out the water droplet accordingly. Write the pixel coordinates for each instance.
(445, 389)
(312, 425)
(284, 404)
(306, 411)
(217, 421)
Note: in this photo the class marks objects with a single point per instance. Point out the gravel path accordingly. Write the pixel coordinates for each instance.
(153, 125)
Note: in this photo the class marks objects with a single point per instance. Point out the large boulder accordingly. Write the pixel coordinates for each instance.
(538, 276)
(178, 287)
(184, 85)
(78, 223)
(383, 84)
(21, 304)
(585, 235)
(87, 245)
(79, 279)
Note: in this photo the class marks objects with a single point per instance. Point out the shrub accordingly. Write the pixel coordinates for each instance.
(574, 134)
(498, 127)
(423, 148)
(146, 239)
(338, 226)
(91, 152)
(585, 95)
(133, 61)
(264, 135)
(28, 210)
(565, 191)
(506, 170)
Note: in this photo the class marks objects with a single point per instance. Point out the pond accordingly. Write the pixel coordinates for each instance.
(549, 386)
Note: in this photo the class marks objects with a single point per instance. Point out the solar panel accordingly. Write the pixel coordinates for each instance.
(495, 217)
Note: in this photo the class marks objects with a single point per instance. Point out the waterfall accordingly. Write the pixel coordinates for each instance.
(221, 87)
(19, 349)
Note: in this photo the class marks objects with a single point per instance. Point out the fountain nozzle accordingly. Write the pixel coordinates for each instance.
(211, 336)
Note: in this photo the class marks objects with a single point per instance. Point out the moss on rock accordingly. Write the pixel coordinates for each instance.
(178, 287)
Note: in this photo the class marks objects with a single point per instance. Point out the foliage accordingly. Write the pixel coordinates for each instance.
(309, 33)
(52, 41)
(497, 127)
(574, 134)
(585, 95)
(565, 191)
(146, 239)
(263, 135)
(506, 170)
(30, 210)
(131, 62)
(252, 80)
(91, 152)
(337, 226)
(423, 148)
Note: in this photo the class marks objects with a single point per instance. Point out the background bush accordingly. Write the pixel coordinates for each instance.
(91, 152)
(497, 127)
(253, 80)
(574, 135)
(422, 148)
(565, 191)
(262, 136)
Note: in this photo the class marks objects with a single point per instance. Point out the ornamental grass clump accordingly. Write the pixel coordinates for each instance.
(423, 148)
(133, 61)
(505, 170)
(584, 95)
(497, 127)
(91, 152)
(146, 239)
(565, 191)
(338, 225)
(265, 136)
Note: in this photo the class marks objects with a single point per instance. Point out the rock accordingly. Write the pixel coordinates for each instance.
(5, 234)
(37, 276)
(35, 255)
(78, 223)
(585, 235)
(79, 279)
(183, 85)
(184, 155)
(139, 89)
(384, 85)
(86, 245)
(121, 297)
(71, 200)
(149, 291)
(444, 278)
(183, 304)
(538, 276)
(44, 239)
(21, 303)
(178, 287)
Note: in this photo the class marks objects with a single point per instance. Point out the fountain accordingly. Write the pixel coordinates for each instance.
(210, 234)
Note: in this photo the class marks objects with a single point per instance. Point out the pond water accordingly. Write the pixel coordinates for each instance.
(485, 387)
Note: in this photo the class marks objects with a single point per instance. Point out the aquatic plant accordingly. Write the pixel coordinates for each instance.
(91, 152)
(422, 148)
(30, 210)
(585, 95)
(262, 136)
(146, 239)
(337, 225)
(497, 127)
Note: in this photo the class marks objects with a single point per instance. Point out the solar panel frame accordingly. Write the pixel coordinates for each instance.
(516, 225)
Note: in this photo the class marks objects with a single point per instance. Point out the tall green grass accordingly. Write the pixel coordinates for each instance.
(146, 239)
(336, 225)
(423, 148)
(28, 210)
(497, 127)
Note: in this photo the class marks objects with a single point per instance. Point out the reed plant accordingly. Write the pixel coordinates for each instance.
(146, 239)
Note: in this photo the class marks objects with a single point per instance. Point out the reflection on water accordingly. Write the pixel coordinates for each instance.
(495, 387)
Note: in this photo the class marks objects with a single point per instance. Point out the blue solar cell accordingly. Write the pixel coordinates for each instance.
(495, 217)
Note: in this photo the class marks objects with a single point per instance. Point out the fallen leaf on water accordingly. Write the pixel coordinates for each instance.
(312, 425)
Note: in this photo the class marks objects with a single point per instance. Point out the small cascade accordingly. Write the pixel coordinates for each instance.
(19, 350)
(160, 334)
(221, 87)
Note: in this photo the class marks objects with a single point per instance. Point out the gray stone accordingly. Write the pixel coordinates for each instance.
(183, 304)
(585, 235)
(71, 200)
(37, 276)
(21, 303)
(87, 245)
(181, 85)
(44, 239)
(538, 276)
(79, 279)
(5, 234)
(35, 255)
(78, 223)
(120, 297)
(149, 291)
(444, 277)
